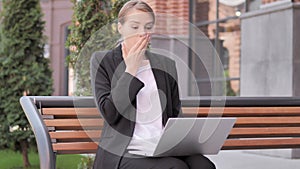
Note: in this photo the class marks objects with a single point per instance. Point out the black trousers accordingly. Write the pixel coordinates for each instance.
(181, 162)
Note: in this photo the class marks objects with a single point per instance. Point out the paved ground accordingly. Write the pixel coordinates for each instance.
(249, 160)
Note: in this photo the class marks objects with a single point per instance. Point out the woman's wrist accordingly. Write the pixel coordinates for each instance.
(130, 71)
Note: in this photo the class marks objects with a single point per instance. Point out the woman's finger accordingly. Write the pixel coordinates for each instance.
(138, 44)
(144, 44)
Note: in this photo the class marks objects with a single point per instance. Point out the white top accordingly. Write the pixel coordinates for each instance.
(148, 127)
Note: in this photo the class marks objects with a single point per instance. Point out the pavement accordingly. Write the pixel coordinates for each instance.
(237, 159)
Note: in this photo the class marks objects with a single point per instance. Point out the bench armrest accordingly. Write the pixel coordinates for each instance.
(46, 155)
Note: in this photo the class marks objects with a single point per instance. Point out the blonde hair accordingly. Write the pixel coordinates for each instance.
(138, 5)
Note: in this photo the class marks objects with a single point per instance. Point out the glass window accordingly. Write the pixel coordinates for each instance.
(222, 28)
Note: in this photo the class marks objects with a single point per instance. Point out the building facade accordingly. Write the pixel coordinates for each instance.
(220, 23)
(58, 15)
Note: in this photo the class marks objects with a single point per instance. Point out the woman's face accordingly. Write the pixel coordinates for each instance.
(136, 23)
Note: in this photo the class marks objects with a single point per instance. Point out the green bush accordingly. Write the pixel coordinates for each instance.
(92, 30)
(23, 69)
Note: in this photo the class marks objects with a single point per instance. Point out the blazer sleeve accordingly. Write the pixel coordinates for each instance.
(176, 102)
(112, 102)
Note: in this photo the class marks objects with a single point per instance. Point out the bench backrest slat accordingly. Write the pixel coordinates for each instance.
(191, 111)
(268, 121)
(74, 122)
(72, 112)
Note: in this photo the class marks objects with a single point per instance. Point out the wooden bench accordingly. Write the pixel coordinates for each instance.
(72, 125)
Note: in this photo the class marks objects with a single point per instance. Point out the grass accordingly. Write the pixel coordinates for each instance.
(13, 160)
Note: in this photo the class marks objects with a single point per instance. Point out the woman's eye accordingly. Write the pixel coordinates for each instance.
(149, 28)
(135, 27)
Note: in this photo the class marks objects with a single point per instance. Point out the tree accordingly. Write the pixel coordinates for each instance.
(23, 70)
(92, 30)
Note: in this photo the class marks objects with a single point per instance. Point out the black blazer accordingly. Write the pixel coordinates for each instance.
(115, 95)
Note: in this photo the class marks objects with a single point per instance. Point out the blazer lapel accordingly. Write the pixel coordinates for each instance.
(118, 61)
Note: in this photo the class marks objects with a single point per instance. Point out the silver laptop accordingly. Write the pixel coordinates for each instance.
(188, 136)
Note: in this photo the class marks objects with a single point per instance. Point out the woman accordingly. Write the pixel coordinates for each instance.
(136, 92)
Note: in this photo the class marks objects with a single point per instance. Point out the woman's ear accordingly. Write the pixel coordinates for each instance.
(120, 28)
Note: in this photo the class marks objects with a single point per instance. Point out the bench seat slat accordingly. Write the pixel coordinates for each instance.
(261, 143)
(73, 122)
(235, 133)
(242, 111)
(229, 144)
(76, 146)
(75, 134)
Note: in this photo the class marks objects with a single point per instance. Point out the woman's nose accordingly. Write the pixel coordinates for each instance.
(142, 33)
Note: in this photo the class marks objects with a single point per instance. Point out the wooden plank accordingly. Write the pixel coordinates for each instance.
(68, 128)
(235, 133)
(73, 122)
(201, 111)
(268, 121)
(233, 144)
(241, 111)
(77, 152)
(71, 111)
(229, 144)
(75, 134)
(76, 146)
(265, 132)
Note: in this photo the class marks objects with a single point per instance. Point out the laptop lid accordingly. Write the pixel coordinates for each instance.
(188, 136)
